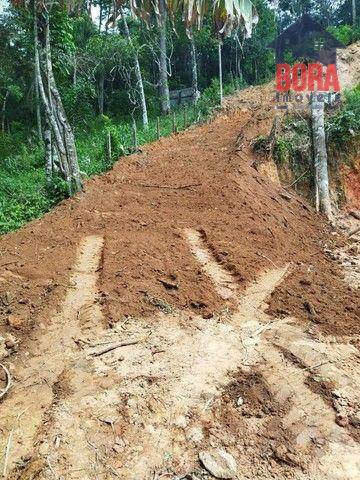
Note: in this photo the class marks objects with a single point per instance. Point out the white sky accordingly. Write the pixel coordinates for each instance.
(3, 3)
(94, 10)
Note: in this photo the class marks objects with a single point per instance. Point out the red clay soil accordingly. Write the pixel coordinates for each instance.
(351, 182)
(196, 179)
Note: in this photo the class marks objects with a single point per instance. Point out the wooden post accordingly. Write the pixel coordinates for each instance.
(109, 150)
(158, 127)
(232, 80)
(135, 141)
(174, 123)
(185, 117)
(220, 73)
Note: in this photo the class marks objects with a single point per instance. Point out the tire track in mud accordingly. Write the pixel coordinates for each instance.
(310, 418)
(139, 411)
(28, 405)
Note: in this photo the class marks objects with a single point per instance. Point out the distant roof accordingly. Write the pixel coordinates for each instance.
(304, 25)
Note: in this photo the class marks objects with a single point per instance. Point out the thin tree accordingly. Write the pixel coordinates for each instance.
(227, 16)
(354, 19)
(163, 59)
(220, 74)
(58, 131)
(194, 70)
(138, 75)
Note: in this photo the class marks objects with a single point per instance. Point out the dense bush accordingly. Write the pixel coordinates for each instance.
(343, 128)
(346, 34)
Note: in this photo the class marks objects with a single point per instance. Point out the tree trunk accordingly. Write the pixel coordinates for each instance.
(54, 110)
(194, 70)
(38, 108)
(68, 135)
(163, 72)
(48, 153)
(3, 111)
(138, 75)
(100, 16)
(220, 74)
(49, 114)
(354, 19)
(320, 155)
(75, 70)
(101, 93)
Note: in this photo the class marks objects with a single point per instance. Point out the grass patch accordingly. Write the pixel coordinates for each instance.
(23, 192)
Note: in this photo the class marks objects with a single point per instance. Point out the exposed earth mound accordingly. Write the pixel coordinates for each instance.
(184, 303)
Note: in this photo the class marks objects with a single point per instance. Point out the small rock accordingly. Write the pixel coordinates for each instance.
(197, 304)
(26, 458)
(119, 445)
(195, 435)
(181, 422)
(219, 463)
(355, 419)
(310, 308)
(285, 196)
(169, 285)
(6, 299)
(342, 420)
(10, 342)
(108, 420)
(240, 401)
(15, 321)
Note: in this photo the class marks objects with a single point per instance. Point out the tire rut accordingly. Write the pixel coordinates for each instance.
(55, 351)
(310, 418)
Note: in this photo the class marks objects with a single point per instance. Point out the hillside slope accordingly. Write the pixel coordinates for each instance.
(161, 314)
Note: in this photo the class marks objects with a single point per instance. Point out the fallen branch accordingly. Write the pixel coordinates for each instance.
(298, 178)
(8, 443)
(181, 187)
(103, 459)
(8, 381)
(355, 214)
(267, 258)
(114, 347)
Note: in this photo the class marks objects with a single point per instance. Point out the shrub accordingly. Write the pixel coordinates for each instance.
(346, 34)
(343, 128)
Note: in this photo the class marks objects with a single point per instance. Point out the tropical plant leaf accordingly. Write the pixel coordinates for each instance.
(228, 15)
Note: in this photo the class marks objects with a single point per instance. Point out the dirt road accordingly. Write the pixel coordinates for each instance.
(184, 305)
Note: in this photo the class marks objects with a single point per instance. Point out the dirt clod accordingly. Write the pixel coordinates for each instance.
(15, 321)
(219, 463)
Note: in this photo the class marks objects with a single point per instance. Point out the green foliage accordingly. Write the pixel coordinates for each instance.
(283, 151)
(343, 128)
(78, 101)
(260, 144)
(23, 192)
(258, 63)
(346, 34)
